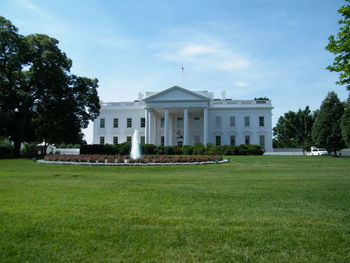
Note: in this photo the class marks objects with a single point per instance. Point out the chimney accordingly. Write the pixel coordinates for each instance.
(140, 97)
(223, 95)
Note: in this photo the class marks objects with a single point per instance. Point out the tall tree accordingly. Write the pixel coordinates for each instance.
(38, 94)
(294, 129)
(345, 123)
(339, 46)
(16, 92)
(326, 131)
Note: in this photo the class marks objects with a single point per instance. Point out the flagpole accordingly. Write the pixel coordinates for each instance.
(182, 75)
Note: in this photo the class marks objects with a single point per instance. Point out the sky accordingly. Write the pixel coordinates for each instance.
(247, 48)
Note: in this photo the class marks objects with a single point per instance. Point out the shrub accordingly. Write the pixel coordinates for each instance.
(6, 147)
(123, 148)
(148, 148)
(198, 148)
(187, 150)
(29, 150)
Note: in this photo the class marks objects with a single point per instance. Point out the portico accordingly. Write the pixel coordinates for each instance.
(168, 115)
(176, 126)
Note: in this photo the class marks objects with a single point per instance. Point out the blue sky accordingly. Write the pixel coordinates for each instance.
(248, 48)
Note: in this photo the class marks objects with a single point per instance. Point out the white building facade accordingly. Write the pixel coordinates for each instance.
(177, 116)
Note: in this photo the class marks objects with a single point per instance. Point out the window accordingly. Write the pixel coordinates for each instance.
(247, 139)
(143, 122)
(261, 121)
(128, 123)
(232, 140)
(162, 140)
(102, 123)
(115, 139)
(128, 138)
(115, 123)
(218, 140)
(162, 123)
(246, 121)
(142, 139)
(218, 121)
(196, 138)
(102, 140)
(262, 141)
(232, 121)
(180, 123)
(196, 122)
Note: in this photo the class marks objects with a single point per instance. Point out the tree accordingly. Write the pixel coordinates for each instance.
(326, 131)
(340, 47)
(64, 102)
(39, 98)
(16, 100)
(345, 123)
(294, 129)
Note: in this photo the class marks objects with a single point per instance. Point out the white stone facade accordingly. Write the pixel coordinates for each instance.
(177, 116)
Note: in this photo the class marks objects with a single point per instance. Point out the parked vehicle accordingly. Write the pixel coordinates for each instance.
(318, 151)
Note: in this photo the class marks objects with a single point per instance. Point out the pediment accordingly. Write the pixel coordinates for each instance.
(176, 94)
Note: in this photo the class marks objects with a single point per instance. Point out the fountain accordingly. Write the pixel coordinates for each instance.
(135, 146)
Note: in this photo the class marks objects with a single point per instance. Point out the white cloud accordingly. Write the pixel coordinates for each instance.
(202, 51)
(240, 84)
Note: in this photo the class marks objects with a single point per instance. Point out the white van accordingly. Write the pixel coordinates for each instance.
(318, 151)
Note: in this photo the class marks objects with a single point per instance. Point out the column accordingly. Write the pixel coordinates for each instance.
(151, 128)
(146, 125)
(166, 127)
(171, 129)
(186, 134)
(205, 126)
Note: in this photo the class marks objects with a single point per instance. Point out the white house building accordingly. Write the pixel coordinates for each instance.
(177, 116)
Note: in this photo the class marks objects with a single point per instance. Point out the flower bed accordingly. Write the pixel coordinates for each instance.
(97, 158)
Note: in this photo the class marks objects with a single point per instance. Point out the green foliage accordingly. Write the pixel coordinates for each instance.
(40, 100)
(339, 46)
(29, 150)
(150, 149)
(63, 145)
(199, 149)
(345, 124)
(294, 129)
(6, 147)
(326, 130)
(121, 149)
(187, 150)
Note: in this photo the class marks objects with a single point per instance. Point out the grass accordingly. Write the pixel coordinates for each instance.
(254, 209)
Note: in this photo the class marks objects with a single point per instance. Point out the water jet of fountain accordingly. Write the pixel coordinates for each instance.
(135, 146)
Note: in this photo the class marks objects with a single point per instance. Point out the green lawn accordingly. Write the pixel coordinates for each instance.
(254, 209)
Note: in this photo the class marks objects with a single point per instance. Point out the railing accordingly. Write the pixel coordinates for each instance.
(242, 102)
(118, 104)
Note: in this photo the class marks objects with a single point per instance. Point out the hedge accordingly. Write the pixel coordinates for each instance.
(150, 149)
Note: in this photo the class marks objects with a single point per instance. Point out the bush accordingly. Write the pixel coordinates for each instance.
(199, 149)
(150, 149)
(124, 148)
(6, 147)
(187, 150)
(29, 150)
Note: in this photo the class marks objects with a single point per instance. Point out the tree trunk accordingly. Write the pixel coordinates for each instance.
(16, 148)
(45, 148)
